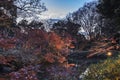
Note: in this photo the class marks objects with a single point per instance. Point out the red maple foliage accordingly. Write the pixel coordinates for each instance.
(39, 42)
(7, 43)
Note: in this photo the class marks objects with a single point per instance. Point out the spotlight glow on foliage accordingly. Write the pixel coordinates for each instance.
(109, 53)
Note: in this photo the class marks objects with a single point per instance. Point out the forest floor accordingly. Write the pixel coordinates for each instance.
(99, 50)
(94, 52)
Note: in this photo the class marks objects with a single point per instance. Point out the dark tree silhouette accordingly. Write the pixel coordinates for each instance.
(68, 26)
(110, 10)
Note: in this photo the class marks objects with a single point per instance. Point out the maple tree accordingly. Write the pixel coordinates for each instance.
(47, 44)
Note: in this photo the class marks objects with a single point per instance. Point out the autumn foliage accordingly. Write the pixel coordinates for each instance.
(38, 42)
(47, 47)
(7, 43)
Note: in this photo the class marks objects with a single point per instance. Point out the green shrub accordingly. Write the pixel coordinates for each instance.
(108, 70)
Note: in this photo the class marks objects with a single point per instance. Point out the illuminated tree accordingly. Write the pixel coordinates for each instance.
(11, 9)
(88, 18)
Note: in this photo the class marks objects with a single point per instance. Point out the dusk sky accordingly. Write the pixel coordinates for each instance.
(60, 8)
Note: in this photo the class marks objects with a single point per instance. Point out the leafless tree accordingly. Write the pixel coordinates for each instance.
(88, 18)
(29, 7)
(21, 8)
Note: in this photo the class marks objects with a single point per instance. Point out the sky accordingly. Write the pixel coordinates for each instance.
(58, 9)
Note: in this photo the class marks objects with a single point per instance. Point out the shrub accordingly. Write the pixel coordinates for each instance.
(108, 70)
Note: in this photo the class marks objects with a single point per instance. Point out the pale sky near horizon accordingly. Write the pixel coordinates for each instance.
(58, 9)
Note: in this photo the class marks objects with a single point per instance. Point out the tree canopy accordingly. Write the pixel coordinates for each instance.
(12, 9)
(29, 7)
(110, 9)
